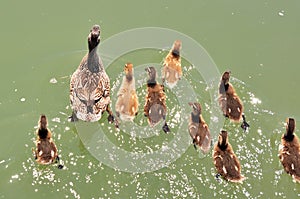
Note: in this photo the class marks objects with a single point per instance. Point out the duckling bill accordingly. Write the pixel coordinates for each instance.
(225, 161)
(198, 128)
(127, 103)
(172, 71)
(155, 107)
(46, 150)
(289, 150)
(230, 102)
(90, 85)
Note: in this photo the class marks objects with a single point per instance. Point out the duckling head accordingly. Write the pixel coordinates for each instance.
(94, 37)
(226, 77)
(223, 140)
(196, 108)
(43, 122)
(151, 74)
(290, 128)
(176, 48)
(128, 69)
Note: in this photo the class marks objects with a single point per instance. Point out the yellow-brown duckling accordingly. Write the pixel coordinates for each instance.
(230, 102)
(198, 128)
(172, 71)
(90, 85)
(127, 103)
(289, 150)
(155, 107)
(46, 151)
(225, 161)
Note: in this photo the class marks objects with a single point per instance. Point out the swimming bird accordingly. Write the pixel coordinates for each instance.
(127, 103)
(198, 128)
(225, 161)
(230, 102)
(90, 85)
(172, 71)
(289, 150)
(155, 107)
(46, 151)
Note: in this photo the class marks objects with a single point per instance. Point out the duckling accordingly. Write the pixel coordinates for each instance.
(155, 107)
(289, 150)
(226, 161)
(90, 85)
(127, 103)
(198, 128)
(230, 102)
(172, 71)
(46, 151)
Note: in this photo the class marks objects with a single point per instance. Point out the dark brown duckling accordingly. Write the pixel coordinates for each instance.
(172, 71)
(90, 85)
(225, 160)
(155, 107)
(289, 150)
(46, 151)
(127, 103)
(198, 128)
(230, 102)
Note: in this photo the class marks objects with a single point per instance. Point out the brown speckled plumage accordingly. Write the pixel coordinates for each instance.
(127, 103)
(155, 107)
(198, 128)
(289, 150)
(90, 85)
(225, 161)
(172, 71)
(46, 151)
(229, 101)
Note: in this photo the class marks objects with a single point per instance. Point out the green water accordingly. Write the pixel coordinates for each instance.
(40, 40)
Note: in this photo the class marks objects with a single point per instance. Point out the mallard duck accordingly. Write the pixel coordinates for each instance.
(46, 151)
(172, 71)
(289, 150)
(198, 128)
(155, 107)
(127, 103)
(230, 102)
(90, 85)
(226, 161)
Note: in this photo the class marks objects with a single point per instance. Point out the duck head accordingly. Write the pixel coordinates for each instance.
(128, 69)
(43, 131)
(94, 37)
(176, 48)
(226, 77)
(43, 122)
(290, 128)
(151, 74)
(196, 108)
(223, 140)
(224, 84)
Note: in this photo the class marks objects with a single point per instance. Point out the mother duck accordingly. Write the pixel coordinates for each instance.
(90, 85)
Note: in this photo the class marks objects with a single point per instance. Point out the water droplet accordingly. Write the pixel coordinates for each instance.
(53, 81)
(22, 99)
(281, 13)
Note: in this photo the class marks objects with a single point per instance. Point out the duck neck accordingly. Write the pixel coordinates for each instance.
(93, 61)
(195, 118)
(129, 77)
(289, 135)
(223, 145)
(151, 82)
(223, 87)
(43, 133)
